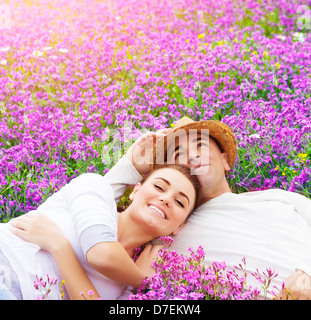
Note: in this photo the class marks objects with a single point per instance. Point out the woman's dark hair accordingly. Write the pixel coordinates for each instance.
(187, 173)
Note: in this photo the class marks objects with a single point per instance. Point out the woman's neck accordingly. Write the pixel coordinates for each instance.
(130, 235)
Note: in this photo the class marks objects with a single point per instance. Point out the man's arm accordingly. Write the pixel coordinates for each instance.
(297, 287)
(135, 163)
(298, 284)
(303, 208)
(122, 175)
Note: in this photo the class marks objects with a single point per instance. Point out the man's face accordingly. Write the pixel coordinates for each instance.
(202, 154)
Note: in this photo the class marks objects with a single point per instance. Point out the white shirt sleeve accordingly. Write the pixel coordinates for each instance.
(122, 175)
(93, 209)
(303, 208)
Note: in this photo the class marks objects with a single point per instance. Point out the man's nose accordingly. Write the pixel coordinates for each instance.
(194, 161)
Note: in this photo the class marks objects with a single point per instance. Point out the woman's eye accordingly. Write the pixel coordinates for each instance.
(159, 187)
(180, 203)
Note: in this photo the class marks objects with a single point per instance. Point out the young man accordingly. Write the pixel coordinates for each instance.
(270, 228)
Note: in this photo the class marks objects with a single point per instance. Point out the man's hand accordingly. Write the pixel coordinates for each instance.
(297, 287)
(141, 152)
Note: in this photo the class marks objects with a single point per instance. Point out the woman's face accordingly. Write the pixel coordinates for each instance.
(163, 202)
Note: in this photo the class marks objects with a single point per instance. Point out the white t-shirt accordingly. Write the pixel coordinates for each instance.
(270, 228)
(85, 211)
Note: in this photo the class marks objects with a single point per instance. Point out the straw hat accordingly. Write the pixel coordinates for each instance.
(219, 131)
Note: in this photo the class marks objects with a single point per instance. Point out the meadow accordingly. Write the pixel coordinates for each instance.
(82, 80)
(70, 71)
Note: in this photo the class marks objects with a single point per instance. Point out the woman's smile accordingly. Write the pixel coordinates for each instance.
(161, 212)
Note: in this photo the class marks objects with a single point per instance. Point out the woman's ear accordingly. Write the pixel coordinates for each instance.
(136, 188)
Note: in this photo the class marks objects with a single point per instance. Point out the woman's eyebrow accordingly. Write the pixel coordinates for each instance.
(168, 183)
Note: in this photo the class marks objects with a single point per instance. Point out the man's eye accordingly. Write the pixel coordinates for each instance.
(179, 154)
(202, 144)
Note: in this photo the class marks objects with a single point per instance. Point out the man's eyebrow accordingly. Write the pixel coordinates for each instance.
(194, 140)
(177, 148)
(199, 139)
(168, 183)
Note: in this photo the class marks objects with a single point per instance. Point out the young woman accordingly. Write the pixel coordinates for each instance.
(91, 246)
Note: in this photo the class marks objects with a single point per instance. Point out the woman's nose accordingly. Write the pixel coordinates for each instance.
(165, 200)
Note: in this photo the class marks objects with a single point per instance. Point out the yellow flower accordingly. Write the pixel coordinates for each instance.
(172, 125)
(187, 40)
(302, 155)
(265, 54)
(277, 65)
(201, 36)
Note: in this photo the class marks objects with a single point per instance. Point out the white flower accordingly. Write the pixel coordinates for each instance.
(255, 136)
(282, 37)
(63, 50)
(3, 62)
(299, 36)
(5, 49)
(37, 53)
(47, 48)
(197, 86)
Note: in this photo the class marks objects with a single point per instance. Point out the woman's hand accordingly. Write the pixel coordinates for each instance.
(145, 259)
(141, 152)
(38, 229)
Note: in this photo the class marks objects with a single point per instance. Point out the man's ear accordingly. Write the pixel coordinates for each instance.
(136, 188)
(225, 162)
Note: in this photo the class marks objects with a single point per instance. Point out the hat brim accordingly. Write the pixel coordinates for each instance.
(219, 131)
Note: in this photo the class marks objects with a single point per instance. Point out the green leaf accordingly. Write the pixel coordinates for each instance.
(129, 56)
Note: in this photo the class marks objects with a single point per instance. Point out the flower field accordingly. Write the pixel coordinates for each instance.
(73, 70)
